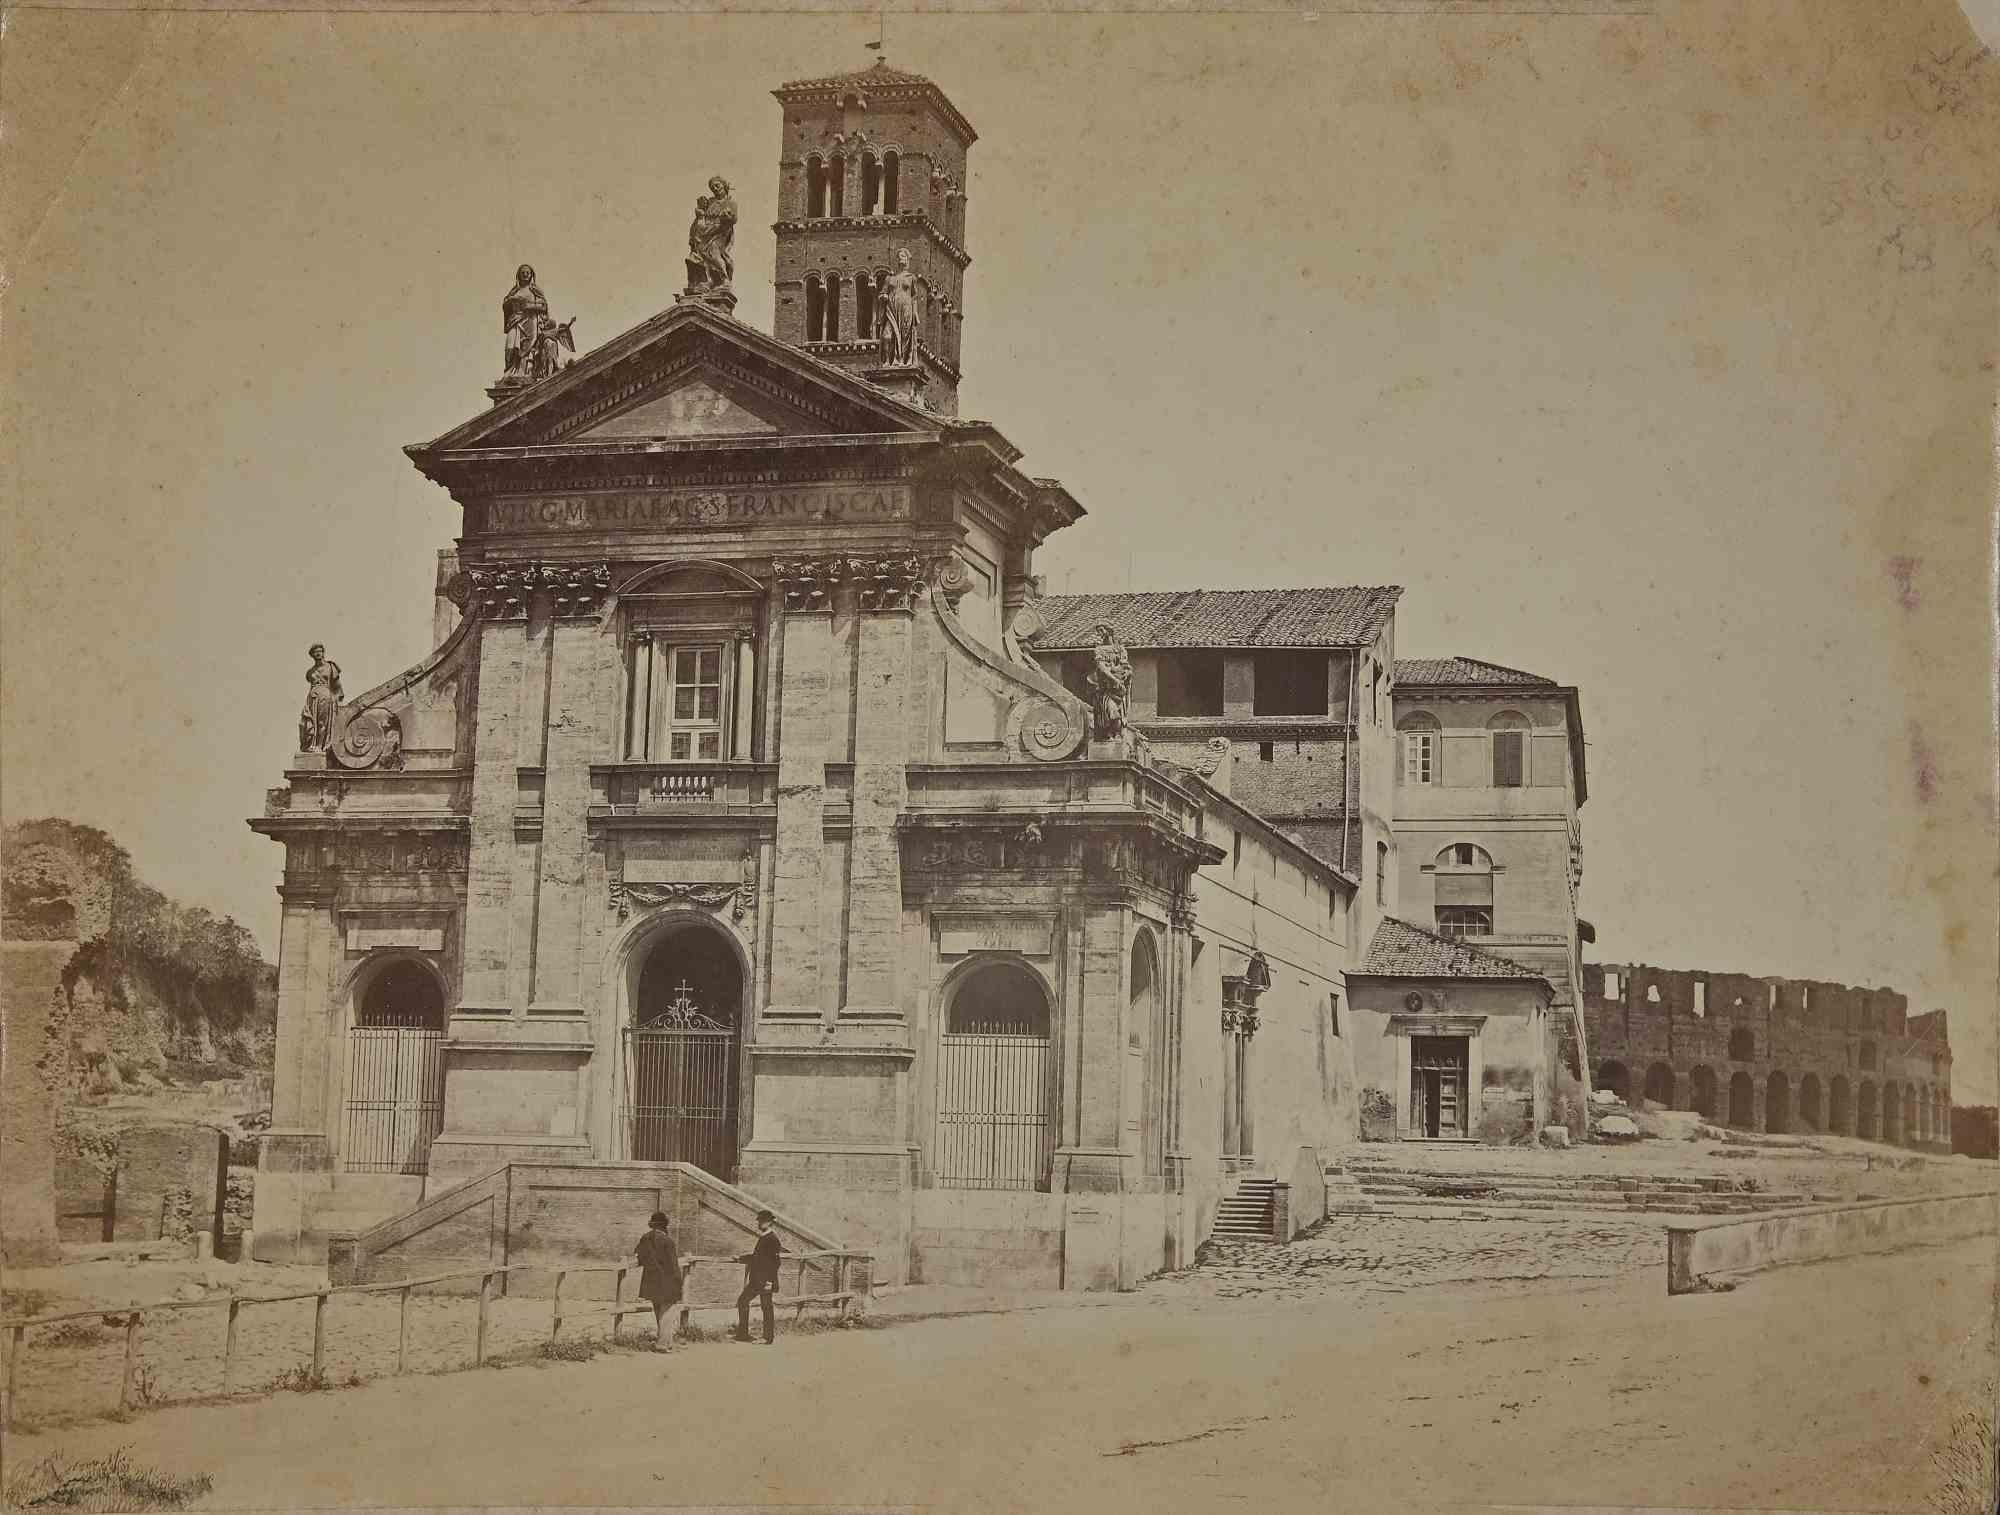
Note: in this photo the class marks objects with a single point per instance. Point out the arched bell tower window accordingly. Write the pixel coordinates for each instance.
(815, 308)
(871, 184)
(836, 185)
(865, 285)
(832, 322)
(815, 187)
(891, 165)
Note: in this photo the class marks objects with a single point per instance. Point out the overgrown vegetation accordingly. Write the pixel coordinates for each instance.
(154, 987)
(111, 1482)
(72, 1333)
(1968, 1466)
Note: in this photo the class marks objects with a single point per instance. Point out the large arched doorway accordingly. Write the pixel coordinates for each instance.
(1777, 1104)
(1142, 1042)
(996, 1082)
(1864, 1111)
(1809, 1103)
(1702, 1096)
(1613, 1076)
(1892, 1113)
(1742, 1101)
(1911, 1131)
(395, 1071)
(1660, 1086)
(681, 1051)
(1840, 1111)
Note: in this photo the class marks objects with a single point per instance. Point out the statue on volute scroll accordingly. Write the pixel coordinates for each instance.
(1110, 676)
(322, 705)
(898, 319)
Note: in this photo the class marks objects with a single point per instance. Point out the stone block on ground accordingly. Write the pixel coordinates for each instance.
(1555, 1136)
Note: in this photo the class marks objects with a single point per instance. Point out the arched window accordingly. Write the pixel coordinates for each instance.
(815, 186)
(1421, 752)
(1382, 873)
(891, 163)
(833, 307)
(395, 1071)
(815, 309)
(836, 185)
(995, 1082)
(864, 305)
(871, 184)
(1462, 878)
(1510, 749)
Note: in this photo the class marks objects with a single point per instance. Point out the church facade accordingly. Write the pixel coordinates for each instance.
(730, 823)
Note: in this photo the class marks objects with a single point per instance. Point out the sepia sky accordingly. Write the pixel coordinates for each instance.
(1654, 353)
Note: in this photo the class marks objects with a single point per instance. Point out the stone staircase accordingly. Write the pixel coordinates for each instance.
(1368, 1185)
(1246, 1214)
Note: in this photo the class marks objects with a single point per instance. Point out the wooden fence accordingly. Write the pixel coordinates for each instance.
(842, 1296)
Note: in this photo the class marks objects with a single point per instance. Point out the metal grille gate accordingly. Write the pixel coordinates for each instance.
(395, 1094)
(680, 1089)
(996, 1128)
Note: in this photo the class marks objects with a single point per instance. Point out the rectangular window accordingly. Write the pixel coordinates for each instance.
(1465, 920)
(1611, 986)
(694, 704)
(1289, 683)
(1507, 764)
(1420, 757)
(1333, 1012)
(1382, 873)
(1190, 683)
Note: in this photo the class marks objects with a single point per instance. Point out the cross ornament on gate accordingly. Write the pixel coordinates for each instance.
(683, 1005)
(682, 1013)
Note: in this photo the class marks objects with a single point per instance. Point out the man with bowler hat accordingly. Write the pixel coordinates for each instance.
(760, 1277)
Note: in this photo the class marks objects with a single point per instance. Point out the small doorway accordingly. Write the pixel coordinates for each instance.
(1438, 1095)
(395, 1072)
(681, 1053)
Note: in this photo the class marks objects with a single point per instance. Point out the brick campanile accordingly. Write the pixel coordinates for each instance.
(872, 165)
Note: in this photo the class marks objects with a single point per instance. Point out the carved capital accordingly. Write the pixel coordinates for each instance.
(886, 583)
(575, 588)
(808, 583)
(502, 592)
(1181, 912)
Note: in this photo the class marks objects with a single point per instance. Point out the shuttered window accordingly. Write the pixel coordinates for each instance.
(1507, 760)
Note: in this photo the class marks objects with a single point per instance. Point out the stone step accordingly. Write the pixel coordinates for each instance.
(1544, 1180)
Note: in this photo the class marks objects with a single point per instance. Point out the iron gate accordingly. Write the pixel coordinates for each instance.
(996, 1125)
(395, 1097)
(680, 1092)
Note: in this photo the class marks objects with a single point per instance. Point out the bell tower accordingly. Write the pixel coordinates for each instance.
(872, 168)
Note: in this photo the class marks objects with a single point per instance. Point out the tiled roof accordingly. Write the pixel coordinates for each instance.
(880, 73)
(1349, 616)
(1401, 950)
(1461, 671)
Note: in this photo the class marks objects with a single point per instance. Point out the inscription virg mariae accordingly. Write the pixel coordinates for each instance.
(688, 508)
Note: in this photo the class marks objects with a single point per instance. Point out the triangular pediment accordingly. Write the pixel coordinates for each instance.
(687, 374)
(701, 405)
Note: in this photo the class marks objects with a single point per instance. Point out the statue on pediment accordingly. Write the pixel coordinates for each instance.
(535, 342)
(711, 263)
(898, 317)
(1110, 676)
(322, 705)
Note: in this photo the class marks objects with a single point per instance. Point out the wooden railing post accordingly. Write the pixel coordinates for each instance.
(840, 1286)
(319, 1334)
(555, 1319)
(15, 1357)
(131, 1359)
(229, 1345)
(403, 1328)
(485, 1301)
(617, 1306)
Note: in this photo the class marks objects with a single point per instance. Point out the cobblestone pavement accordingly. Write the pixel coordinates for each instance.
(1397, 1253)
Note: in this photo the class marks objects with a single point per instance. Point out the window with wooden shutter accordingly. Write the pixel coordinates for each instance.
(1507, 764)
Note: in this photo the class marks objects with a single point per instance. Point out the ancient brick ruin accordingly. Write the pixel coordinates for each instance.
(1771, 1054)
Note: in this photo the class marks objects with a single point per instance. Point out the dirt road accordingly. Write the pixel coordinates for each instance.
(1820, 1387)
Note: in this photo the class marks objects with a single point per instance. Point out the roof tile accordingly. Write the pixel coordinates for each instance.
(1462, 670)
(1400, 950)
(1347, 616)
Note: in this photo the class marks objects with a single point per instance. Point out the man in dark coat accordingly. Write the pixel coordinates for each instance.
(760, 1277)
(659, 1277)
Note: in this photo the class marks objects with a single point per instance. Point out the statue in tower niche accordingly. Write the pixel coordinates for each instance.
(535, 343)
(322, 701)
(898, 319)
(1110, 676)
(710, 262)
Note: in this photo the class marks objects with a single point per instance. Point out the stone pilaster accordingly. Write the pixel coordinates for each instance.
(581, 730)
(484, 988)
(804, 730)
(885, 590)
